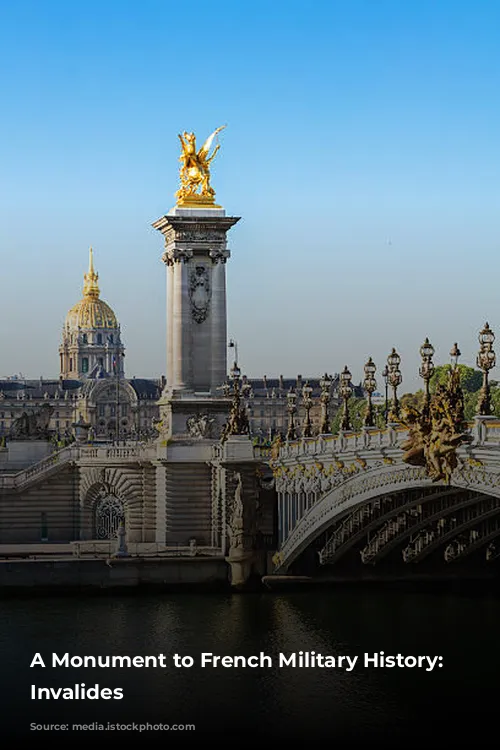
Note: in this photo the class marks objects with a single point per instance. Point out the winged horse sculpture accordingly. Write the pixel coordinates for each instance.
(195, 168)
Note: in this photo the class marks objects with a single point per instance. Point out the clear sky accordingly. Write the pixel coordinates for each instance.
(362, 153)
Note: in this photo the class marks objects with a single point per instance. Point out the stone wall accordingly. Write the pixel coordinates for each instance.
(45, 510)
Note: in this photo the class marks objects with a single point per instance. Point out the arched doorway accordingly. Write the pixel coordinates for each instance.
(108, 515)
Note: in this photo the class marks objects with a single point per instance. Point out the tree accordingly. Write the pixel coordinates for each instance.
(357, 412)
(470, 379)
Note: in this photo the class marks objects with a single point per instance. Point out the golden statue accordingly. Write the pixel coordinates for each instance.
(195, 189)
(435, 433)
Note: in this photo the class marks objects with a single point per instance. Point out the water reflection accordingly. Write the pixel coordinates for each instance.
(271, 702)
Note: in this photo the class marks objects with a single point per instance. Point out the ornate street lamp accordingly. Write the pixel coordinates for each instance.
(426, 371)
(369, 385)
(454, 354)
(291, 406)
(325, 384)
(395, 380)
(486, 360)
(238, 416)
(385, 375)
(308, 403)
(346, 393)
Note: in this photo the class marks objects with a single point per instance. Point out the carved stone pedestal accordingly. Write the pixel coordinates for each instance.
(191, 416)
(240, 562)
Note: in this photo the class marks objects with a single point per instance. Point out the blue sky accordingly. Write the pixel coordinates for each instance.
(361, 152)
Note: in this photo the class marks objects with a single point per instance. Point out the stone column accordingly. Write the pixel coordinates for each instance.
(181, 323)
(218, 320)
(170, 324)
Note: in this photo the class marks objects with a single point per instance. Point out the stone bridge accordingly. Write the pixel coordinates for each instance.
(351, 497)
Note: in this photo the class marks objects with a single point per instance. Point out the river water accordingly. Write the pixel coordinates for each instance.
(392, 704)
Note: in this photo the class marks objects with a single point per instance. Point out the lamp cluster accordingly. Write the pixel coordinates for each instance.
(486, 360)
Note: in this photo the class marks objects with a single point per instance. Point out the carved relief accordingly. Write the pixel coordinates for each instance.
(199, 293)
(200, 426)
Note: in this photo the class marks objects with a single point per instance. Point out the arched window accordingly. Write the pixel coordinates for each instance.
(71, 364)
(85, 364)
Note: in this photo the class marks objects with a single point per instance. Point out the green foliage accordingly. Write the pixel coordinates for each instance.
(357, 412)
(415, 400)
(470, 379)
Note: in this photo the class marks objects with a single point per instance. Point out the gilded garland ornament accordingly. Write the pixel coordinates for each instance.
(195, 189)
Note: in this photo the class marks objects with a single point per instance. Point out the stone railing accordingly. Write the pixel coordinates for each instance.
(485, 430)
(107, 548)
(75, 452)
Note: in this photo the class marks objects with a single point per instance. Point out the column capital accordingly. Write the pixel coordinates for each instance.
(219, 255)
(176, 255)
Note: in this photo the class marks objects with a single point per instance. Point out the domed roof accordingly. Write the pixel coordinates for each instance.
(91, 312)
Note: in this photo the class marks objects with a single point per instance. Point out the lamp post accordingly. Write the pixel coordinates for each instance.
(308, 402)
(395, 380)
(237, 423)
(426, 372)
(233, 345)
(454, 354)
(369, 385)
(385, 375)
(325, 384)
(345, 392)
(291, 398)
(486, 360)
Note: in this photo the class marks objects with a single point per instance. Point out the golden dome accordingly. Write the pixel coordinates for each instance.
(91, 312)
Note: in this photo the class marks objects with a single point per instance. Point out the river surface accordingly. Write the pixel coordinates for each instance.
(396, 705)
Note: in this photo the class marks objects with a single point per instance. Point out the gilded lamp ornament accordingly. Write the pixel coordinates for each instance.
(346, 393)
(325, 384)
(308, 404)
(369, 385)
(426, 371)
(195, 189)
(291, 398)
(395, 380)
(237, 423)
(486, 360)
(435, 432)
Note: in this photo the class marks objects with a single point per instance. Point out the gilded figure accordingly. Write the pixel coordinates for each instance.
(435, 433)
(195, 170)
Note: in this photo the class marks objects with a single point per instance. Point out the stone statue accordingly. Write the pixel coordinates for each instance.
(195, 170)
(236, 519)
(161, 426)
(33, 426)
(435, 433)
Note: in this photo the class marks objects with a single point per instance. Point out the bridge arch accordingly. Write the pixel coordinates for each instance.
(366, 486)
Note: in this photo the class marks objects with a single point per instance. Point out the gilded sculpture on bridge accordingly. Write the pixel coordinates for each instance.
(195, 186)
(436, 432)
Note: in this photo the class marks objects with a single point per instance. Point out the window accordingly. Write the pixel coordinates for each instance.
(101, 410)
(99, 338)
(85, 364)
(71, 364)
(124, 410)
(112, 410)
(111, 338)
(84, 338)
(100, 362)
